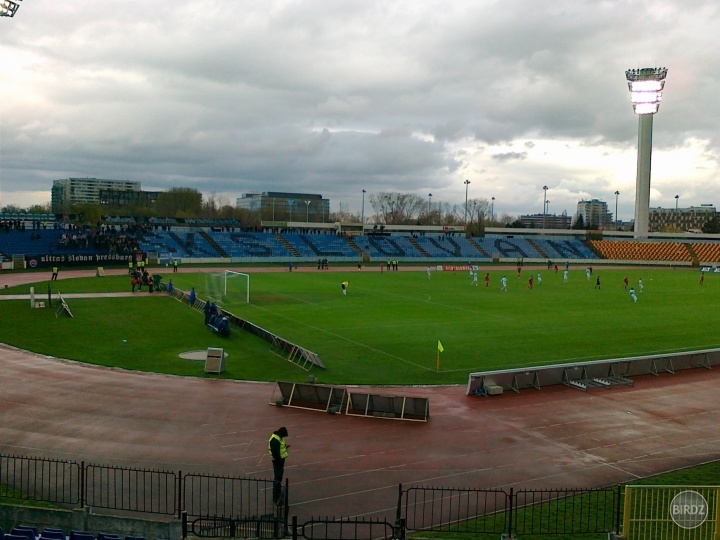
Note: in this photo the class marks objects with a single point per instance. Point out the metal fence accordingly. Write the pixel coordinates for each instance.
(40, 479)
(134, 490)
(237, 507)
(521, 512)
(344, 528)
(226, 496)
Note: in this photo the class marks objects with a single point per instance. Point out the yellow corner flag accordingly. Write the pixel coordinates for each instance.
(440, 349)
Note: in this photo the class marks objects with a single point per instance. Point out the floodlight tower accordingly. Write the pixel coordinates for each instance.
(8, 8)
(646, 87)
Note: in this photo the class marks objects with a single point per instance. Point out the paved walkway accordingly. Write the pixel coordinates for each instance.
(338, 465)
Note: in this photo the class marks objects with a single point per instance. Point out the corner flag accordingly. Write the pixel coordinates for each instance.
(440, 349)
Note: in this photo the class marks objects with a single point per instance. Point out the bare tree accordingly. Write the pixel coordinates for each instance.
(397, 208)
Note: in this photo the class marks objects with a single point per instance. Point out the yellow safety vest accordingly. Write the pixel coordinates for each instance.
(283, 446)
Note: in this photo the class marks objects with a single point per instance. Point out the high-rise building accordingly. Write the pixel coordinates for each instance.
(680, 219)
(549, 221)
(69, 191)
(281, 206)
(594, 214)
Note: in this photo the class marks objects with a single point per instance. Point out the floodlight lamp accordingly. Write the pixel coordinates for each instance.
(8, 8)
(646, 86)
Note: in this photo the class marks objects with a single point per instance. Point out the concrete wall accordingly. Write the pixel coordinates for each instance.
(83, 519)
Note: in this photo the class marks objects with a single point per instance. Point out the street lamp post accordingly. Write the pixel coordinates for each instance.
(617, 194)
(677, 198)
(545, 188)
(646, 87)
(307, 211)
(492, 210)
(467, 183)
(362, 215)
(429, 206)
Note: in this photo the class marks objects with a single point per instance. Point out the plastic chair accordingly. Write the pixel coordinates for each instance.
(27, 534)
(108, 536)
(81, 535)
(52, 534)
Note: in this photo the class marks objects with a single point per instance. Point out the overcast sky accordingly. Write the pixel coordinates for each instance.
(337, 96)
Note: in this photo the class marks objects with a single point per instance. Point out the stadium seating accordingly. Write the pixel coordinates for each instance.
(320, 245)
(250, 244)
(564, 248)
(510, 246)
(448, 247)
(707, 252)
(641, 251)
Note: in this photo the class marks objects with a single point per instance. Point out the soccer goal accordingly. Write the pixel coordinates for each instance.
(237, 283)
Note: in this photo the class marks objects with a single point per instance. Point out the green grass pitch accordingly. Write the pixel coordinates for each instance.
(385, 331)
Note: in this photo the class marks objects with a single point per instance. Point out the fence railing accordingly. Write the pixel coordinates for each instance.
(205, 495)
(344, 528)
(41, 479)
(134, 490)
(510, 512)
(225, 505)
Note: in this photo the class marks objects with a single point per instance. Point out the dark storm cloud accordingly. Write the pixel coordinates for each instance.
(334, 97)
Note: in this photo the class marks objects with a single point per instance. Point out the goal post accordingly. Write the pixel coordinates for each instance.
(232, 276)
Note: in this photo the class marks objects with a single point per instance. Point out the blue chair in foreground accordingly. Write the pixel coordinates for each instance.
(81, 535)
(52, 534)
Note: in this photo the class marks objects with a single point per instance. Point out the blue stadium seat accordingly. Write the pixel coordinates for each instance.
(28, 527)
(15, 537)
(134, 538)
(108, 536)
(81, 535)
(52, 534)
(29, 533)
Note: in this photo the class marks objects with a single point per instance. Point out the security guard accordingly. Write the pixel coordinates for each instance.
(278, 453)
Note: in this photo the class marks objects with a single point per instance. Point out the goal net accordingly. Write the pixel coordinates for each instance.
(237, 284)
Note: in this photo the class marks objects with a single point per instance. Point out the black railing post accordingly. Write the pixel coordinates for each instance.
(179, 494)
(399, 502)
(294, 528)
(618, 517)
(511, 504)
(286, 510)
(399, 529)
(184, 524)
(82, 484)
